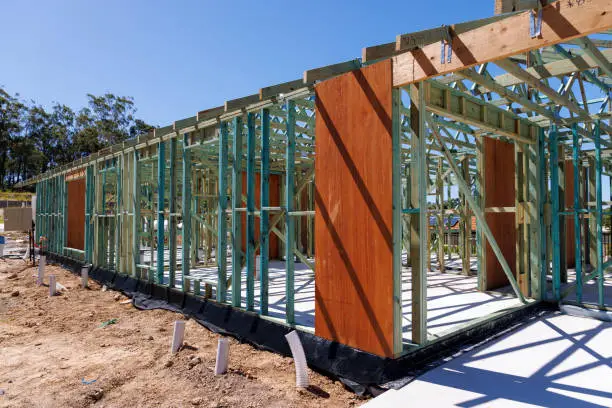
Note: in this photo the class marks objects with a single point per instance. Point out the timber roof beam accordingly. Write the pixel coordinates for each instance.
(505, 38)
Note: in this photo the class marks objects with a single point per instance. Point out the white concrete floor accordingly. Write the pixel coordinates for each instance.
(556, 361)
(453, 299)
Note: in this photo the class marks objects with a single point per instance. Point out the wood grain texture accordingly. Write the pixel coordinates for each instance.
(274, 185)
(561, 21)
(353, 203)
(570, 231)
(499, 192)
(75, 234)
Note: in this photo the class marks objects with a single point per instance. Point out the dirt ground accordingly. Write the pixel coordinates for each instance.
(55, 352)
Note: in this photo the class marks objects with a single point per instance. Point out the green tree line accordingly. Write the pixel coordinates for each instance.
(34, 139)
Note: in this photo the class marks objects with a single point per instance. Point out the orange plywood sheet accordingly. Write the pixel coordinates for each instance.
(353, 203)
(570, 231)
(499, 192)
(75, 235)
(274, 185)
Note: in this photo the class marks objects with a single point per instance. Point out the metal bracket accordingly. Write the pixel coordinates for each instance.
(535, 22)
(446, 46)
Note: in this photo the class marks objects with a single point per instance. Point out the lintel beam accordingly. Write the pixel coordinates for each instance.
(456, 105)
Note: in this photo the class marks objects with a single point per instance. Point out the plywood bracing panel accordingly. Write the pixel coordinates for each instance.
(570, 234)
(353, 204)
(274, 185)
(75, 234)
(499, 192)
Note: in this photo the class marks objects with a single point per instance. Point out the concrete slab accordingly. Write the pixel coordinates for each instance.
(556, 361)
(453, 299)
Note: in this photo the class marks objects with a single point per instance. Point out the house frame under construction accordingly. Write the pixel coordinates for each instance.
(322, 203)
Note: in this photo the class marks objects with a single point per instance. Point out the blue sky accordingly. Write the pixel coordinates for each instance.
(178, 57)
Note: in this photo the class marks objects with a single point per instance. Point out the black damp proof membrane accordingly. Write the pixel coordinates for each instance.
(361, 372)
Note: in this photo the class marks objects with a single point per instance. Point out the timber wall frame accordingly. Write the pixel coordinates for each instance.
(546, 96)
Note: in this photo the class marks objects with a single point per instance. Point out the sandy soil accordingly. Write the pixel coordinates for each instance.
(53, 348)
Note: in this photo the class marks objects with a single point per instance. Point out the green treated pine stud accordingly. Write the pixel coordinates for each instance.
(264, 244)
(554, 191)
(250, 218)
(161, 181)
(92, 198)
(51, 208)
(396, 166)
(37, 225)
(135, 214)
(222, 218)
(102, 233)
(171, 217)
(289, 221)
(542, 187)
(236, 217)
(118, 204)
(53, 214)
(419, 269)
(64, 211)
(52, 232)
(186, 205)
(576, 169)
(87, 213)
(598, 212)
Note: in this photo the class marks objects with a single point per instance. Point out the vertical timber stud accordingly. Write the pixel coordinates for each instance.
(543, 224)
(135, 214)
(536, 227)
(236, 218)
(397, 221)
(222, 206)
(64, 215)
(289, 222)
(591, 199)
(102, 244)
(171, 216)
(481, 192)
(250, 218)
(598, 215)
(440, 215)
(117, 218)
(554, 193)
(418, 221)
(186, 206)
(576, 169)
(562, 220)
(89, 185)
(466, 224)
(264, 218)
(161, 184)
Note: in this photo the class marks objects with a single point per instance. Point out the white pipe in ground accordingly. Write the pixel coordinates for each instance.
(84, 276)
(299, 358)
(222, 354)
(178, 336)
(51, 285)
(41, 269)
